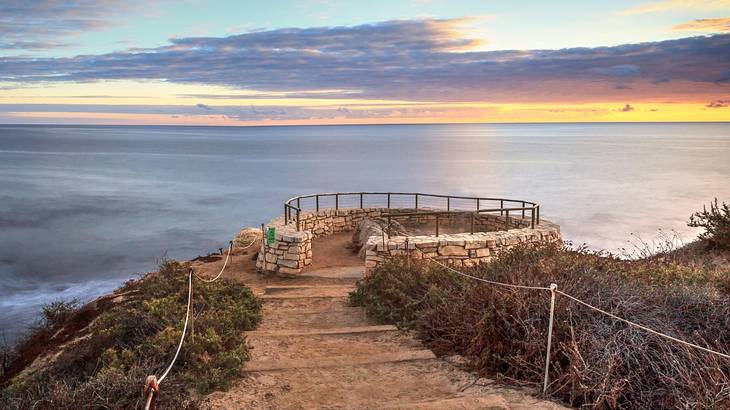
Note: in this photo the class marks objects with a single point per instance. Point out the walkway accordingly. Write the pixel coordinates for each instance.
(313, 350)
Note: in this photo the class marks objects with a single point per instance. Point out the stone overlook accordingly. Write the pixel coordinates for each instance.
(457, 237)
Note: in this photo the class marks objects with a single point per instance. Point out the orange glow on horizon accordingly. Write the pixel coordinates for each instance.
(449, 113)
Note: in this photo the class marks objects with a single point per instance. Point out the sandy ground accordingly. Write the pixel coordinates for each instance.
(313, 350)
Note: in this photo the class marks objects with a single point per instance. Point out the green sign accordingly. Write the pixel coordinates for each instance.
(270, 235)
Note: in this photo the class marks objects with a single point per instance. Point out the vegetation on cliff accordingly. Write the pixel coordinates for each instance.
(716, 222)
(596, 360)
(98, 355)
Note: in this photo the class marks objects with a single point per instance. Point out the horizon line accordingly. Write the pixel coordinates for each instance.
(366, 124)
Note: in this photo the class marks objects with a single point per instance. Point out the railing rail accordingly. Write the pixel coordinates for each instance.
(413, 200)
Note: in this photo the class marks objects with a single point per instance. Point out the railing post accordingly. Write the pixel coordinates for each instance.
(337, 201)
(360, 200)
(448, 203)
(532, 217)
(286, 216)
(523, 209)
(478, 203)
(299, 203)
(501, 206)
(263, 239)
(298, 212)
(388, 200)
(506, 220)
(437, 224)
(538, 214)
(416, 202)
(408, 255)
(553, 288)
(316, 198)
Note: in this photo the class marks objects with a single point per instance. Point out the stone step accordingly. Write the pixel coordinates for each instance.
(316, 319)
(274, 289)
(288, 291)
(339, 361)
(489, 401)
(287, 297)
(315, 346)
(306, 309)
(351, 272)
(274, 304)
(333, 331)
(343, 387)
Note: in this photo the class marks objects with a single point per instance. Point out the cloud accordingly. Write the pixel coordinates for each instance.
(47, 24)
(668, 5)
(627, 108)
(414, 60)
(239, 112)
(719, 104)
(312, 94)
(204, 106)
(705, 25)
(622, 70)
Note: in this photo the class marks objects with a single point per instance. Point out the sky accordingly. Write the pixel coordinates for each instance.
(199, 62)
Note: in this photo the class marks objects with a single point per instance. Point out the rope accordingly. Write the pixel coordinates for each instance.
(491, 282)
(185, 327)
(509, 285)
(225, 263)
(152, 384)
(642, 327)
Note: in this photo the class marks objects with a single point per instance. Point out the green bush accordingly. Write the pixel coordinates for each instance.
(716, 222)
(136, 337)
(596, 361)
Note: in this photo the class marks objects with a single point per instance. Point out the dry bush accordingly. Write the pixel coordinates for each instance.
(596, 361)
(716, 222)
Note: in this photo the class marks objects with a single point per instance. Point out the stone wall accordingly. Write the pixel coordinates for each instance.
(291, 250)
(462, 249)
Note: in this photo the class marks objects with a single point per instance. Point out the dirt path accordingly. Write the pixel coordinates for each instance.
(315, 351)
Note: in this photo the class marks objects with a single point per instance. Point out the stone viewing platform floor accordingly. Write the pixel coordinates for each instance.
(313, 350)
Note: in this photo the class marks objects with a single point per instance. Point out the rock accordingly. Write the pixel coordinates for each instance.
(453, 250)
(370, 227)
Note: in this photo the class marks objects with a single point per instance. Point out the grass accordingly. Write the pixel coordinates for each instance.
(596, 361)
(103, 351)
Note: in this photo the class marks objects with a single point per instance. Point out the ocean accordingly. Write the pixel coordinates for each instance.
(84, 208)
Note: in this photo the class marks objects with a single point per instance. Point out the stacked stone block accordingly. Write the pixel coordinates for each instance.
(463, 249)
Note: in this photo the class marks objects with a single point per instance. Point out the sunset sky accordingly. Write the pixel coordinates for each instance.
(201, 62)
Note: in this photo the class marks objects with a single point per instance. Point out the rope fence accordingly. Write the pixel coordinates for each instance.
(553, 296)
(152, 383)
(225, 263)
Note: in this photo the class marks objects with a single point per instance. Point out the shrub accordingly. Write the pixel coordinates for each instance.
(58, 311)
(106, 365)
(716, 222)
(596, 361)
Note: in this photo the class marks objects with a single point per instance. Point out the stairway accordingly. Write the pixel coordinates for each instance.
(313, 350)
